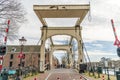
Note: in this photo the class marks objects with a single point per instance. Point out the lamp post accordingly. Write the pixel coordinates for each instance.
(22, 42)
(106, 64)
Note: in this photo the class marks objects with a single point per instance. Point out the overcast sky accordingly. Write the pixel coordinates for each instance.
(97, 33)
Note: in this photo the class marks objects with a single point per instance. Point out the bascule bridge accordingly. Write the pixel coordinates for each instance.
(60, 11)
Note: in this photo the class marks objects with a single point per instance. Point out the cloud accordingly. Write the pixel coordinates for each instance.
(98, 29)
(97, 34)
(61, 22)
(103, 46)
(98, 45)
(58, 2)
(98, 53)
(97, 58)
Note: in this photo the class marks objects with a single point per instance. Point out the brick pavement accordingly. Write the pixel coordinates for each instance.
(40, 76)
(63, 74)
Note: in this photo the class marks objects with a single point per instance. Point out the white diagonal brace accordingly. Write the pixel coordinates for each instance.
(51, 41)
(70, 40)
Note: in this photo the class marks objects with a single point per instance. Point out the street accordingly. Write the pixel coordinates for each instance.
(60, 74)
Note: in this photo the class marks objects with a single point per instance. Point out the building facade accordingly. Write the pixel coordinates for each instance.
(31, 57)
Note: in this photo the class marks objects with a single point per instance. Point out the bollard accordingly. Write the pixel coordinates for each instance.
(35, 78)
(80, 77)
(103, 78)
(58, 78)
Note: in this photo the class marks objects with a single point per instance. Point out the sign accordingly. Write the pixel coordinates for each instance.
(21, 55)
(118, 51)
(2, 50)
(1, 61)
(99, 70)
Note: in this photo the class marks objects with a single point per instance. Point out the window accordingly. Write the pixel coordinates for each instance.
(23, 63)
(38, 55)
(11, 56)
(45, 55)
(11, 63)
(13, 49)
(1, 62)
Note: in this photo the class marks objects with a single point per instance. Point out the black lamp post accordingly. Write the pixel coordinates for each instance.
(22, 42)
(108, 73)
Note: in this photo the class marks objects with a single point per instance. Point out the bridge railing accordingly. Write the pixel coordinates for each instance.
(76, 66)
(83, 78)
(47, 66)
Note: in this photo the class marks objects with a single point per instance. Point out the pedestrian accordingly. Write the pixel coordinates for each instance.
(4, 75)
(17, 78)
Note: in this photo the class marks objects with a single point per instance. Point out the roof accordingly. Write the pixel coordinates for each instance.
(26, 48)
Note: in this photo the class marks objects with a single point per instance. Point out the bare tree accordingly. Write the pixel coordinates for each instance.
(14, 11)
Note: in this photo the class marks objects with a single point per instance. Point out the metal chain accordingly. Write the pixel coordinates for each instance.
(89, 15)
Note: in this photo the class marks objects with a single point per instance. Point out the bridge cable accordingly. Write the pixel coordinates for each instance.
(40, 38)
(89, 15)
(85, 60)
(92, 67)
(86, 52)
